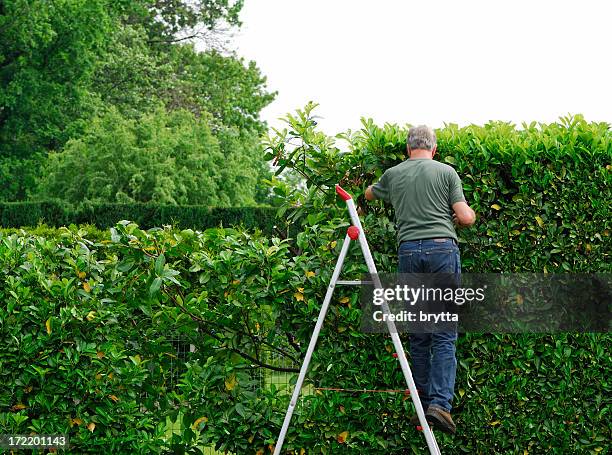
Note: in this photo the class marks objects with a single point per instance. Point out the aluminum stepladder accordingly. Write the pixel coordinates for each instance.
(355, 232)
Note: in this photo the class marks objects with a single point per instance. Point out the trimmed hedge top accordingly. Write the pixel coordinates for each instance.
(542, 194)
(52, 213)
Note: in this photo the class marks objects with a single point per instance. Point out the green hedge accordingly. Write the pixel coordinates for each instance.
(87, 329)
(543, 199)
(542, 194)
(52, 213)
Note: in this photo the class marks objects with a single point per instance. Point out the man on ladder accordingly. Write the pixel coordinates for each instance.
(428, 199)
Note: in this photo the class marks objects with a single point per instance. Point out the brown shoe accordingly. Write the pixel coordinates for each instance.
(441, 419)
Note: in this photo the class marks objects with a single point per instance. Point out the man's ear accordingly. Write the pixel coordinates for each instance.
(434, 150)
(407, 151)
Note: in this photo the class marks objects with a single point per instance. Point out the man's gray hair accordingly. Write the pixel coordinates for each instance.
(421, 137)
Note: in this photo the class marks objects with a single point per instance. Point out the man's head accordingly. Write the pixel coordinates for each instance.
(421, 142)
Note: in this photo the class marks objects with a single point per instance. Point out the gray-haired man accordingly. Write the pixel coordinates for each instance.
(428, 200)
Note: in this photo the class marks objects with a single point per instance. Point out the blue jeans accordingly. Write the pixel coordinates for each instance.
(433, 354)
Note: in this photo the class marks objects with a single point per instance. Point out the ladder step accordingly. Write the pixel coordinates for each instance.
(354, 282)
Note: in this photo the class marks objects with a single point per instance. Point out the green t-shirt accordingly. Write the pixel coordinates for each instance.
(422, 192)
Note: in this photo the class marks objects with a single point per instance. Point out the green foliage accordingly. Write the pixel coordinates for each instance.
(56, 214)
(86, 329)
(48, 52)
(166, 158)
(99, 345)
(19, 176)
(50, 232)
(18, 214)
(541, 194)
(131, 76)
(64, 65)
(231, 90)
(79, 363)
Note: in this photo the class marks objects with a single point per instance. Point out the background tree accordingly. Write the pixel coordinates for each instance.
(47, 54)
(172, 21)
(163, 157)
(65, 63)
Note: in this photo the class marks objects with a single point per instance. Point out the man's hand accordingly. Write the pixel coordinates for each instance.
(456, 221)
(369, 194)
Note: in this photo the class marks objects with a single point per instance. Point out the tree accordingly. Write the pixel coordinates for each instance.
(18, 176)
(164, 157)
(133, 75)
(234, 92)
(66, 62)
(47, 53)
(50, 50)
(171, 21)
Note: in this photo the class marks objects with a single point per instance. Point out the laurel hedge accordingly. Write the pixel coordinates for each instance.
(542, 193)
(87, 325)
(543, 198)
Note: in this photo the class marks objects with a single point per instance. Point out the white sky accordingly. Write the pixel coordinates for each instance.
(432, 61)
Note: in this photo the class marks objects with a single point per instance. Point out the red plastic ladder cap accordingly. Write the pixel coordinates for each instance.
(343, 194)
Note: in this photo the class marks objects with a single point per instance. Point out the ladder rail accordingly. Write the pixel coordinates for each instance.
(311, 345)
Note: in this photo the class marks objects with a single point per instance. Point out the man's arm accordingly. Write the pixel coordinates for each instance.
(379, 190)
(464, 215)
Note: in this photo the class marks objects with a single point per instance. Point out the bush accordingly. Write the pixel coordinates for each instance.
(541, 194)
(17, 214)
(543, 199)
(104, 216)
(87, 330)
